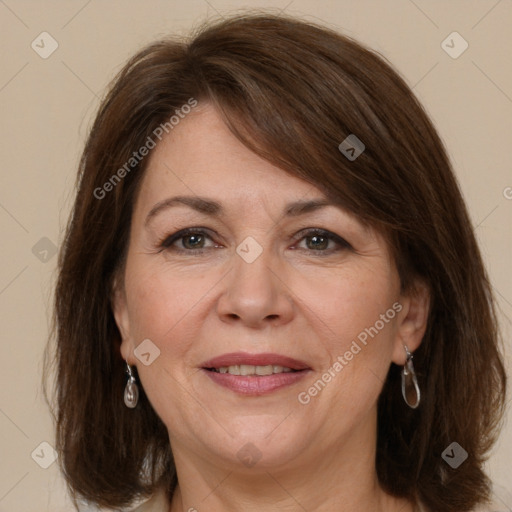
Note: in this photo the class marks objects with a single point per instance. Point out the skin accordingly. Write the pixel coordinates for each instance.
(291, 300)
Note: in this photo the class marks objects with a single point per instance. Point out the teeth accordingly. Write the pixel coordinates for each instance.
(248, 369)
(264, 370)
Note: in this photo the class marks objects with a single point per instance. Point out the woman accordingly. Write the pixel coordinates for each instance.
(270, 296)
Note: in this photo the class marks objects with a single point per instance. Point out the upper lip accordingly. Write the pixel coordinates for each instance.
(264, 359)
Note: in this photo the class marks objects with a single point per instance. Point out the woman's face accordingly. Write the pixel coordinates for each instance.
(253, 284)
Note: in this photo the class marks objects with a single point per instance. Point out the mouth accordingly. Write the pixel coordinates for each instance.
(254, 374)
(248, 369)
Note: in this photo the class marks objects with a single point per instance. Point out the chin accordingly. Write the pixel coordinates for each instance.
(257, 445)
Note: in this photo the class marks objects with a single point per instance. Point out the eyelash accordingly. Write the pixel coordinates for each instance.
(167, 242)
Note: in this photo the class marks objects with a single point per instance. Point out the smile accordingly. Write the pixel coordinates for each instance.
(248, 369)
(254, 374)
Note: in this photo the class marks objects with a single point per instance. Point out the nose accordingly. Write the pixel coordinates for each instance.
(256, 293)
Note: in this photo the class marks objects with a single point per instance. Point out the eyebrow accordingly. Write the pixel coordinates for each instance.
(213, 208)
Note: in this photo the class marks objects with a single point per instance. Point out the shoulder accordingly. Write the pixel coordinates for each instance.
(157, 503)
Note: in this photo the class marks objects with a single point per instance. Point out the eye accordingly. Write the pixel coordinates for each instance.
(187, 240)
(194, 241)
(322, 241)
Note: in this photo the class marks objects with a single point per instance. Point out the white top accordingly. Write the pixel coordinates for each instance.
(159, 503)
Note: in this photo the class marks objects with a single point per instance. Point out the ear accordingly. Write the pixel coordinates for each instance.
(412, 321)
(120, 310)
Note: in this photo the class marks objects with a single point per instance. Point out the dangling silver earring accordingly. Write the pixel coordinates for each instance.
(131, 391)
(410, 388)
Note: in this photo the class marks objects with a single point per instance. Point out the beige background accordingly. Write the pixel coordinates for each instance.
(47, 107)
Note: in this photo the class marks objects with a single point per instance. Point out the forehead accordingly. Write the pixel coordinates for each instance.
(201, 156)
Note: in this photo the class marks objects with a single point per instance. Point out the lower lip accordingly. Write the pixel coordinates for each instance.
(256, 385)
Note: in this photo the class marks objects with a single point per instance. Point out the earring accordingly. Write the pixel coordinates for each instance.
(410, 388)
(131, 391)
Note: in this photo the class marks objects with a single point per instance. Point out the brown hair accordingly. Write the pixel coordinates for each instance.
(291, 91)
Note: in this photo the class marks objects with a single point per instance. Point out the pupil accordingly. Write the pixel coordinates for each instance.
(316, 238)
(189, 238)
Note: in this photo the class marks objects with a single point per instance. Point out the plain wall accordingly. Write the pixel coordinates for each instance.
(47, 106)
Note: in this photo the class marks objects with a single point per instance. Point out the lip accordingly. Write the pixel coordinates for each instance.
(252, 385)
(264, 359)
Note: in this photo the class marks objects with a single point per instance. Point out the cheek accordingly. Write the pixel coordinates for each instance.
(161, 308)
(353, 304)
(357, 315)
(159, 302)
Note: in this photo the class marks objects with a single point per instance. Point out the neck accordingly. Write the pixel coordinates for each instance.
(341, 478)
